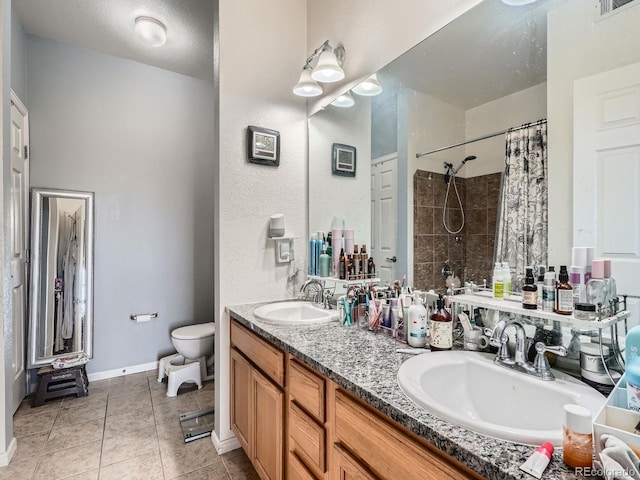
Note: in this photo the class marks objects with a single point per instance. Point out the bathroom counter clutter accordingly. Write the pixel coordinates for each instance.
(366, 364)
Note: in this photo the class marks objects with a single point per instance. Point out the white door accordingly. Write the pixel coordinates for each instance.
(606, 172)
(384, 217)
(19, 202)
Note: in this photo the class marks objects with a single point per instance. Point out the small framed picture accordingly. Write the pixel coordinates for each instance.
(263, 146)
(344, 160)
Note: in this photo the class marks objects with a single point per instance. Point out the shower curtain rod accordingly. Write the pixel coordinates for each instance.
(484, 137)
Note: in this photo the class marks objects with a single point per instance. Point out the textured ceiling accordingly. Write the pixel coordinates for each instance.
(107, 26)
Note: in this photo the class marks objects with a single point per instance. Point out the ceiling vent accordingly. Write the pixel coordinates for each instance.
(605, 8)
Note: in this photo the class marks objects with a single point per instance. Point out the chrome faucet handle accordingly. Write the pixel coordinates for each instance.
(503, 347)
(541, 363)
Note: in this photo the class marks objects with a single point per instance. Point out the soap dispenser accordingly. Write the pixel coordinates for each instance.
(440, 328)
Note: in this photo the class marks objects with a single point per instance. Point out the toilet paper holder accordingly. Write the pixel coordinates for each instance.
(134, 316)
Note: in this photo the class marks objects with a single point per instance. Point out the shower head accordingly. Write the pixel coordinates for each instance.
(469, 158)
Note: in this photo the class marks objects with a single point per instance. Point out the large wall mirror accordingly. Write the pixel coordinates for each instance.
(61, 285)
(482, 77)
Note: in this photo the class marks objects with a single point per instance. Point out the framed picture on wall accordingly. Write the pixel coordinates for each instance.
(343, 160)
(263, 146)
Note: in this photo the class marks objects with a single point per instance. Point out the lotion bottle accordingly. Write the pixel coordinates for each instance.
(549, 290)
(342, 266)
(440, 328)
(529, 291)
(506, 279)
(324, 262)
(417, 324)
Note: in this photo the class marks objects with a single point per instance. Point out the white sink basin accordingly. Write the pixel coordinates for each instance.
(295, 313)
(469, 390)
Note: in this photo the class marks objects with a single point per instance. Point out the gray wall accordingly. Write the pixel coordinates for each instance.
(141, 138)
(18, 60)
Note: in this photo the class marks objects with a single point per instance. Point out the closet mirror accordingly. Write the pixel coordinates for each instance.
(459, 95)
(61, 284)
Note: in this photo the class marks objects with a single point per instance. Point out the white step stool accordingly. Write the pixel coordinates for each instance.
(178, 372)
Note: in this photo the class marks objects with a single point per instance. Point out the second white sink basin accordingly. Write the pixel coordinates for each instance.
(295, 313)
(469, 390)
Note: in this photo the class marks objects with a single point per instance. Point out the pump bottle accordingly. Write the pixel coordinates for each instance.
(417, 324)
(440, 328)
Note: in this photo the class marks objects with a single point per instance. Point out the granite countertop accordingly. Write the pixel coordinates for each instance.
(366, 364)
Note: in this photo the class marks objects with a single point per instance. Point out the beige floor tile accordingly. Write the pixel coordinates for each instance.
(123, 389)
(140, 377)
(137, 418)
(67, 436)
(96, 399)
(211, 472)
(25, 407)
(208, 385)
(154, 384)
(116, 381)
(170, 428)
(25, 425)
(131, 444)
(82, 413)
(90, 475)
(239, 466)
(29, 447)
(143, 467)
(179, 458)
(72, 461)
(100, 383)
(22, 470)
(175, 407)
(204, 398)
(126, 402)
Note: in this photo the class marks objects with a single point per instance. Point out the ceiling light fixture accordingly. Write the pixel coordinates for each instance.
(328, 69)
(345, 100)
(369, 87)
(151, 31)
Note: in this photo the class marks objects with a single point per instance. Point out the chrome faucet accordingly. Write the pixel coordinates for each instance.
(540, 366)
(322, 296)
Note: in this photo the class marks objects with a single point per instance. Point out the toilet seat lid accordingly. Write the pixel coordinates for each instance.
(192, 332)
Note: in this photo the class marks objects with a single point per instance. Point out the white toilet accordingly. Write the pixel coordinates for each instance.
(194, 344)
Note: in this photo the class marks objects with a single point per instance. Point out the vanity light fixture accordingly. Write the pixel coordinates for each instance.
(369, 87)
(307, 86)
(151, 31)
(328, 69)
(345, 100)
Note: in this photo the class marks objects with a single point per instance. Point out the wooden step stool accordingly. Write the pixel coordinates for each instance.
(54, 383)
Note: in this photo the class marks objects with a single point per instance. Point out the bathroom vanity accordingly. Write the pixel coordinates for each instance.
(323, 402)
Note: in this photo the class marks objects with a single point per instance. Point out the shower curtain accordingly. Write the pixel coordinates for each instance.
(521, 236)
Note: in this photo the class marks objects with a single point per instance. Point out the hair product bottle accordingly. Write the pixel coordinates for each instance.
(364, 261)
(440, 328)
(342, 266)
(529, 291)
(564, 293)
(549, 291)
(324, 263)
(498, 281)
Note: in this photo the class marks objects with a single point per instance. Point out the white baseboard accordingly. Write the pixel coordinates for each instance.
(5, 457)
(224, 446)
(118, 372)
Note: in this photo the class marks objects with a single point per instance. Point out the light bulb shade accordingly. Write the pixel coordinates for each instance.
(345, 100)
(327, 70)
(368, 88)
(151, 31)
(307, 86)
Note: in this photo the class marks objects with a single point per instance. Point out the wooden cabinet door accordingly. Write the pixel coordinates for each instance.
(268, 440)
(345, 467)
(241, 400)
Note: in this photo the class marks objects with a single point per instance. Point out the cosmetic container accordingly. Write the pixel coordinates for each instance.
(440, 328)
(498, 281)
(584, 311)
(564, 293)
(549, 290)
(577, 436)
(529, 291)
(506, 279)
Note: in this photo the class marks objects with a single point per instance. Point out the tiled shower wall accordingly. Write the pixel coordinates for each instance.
(469, 253)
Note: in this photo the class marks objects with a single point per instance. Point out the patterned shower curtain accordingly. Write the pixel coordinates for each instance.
(522, 226)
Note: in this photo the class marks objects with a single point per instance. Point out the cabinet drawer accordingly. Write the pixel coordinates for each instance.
(306, 438)
(388, 451)
(296, 469)
(345, 467)
(307, 389)
(265, 356)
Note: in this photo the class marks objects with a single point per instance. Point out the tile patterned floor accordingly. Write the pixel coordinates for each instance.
(126, 429)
